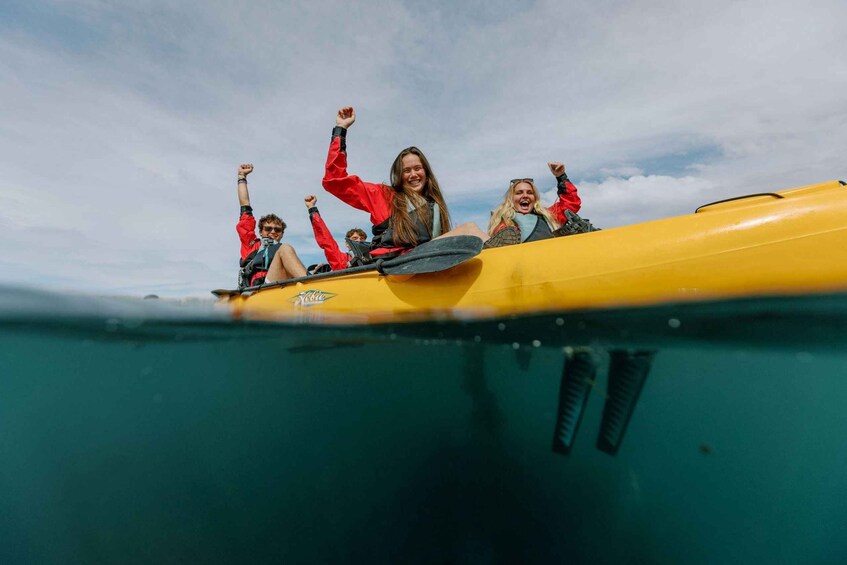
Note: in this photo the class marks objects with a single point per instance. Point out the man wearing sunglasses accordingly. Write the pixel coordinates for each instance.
(258, 253)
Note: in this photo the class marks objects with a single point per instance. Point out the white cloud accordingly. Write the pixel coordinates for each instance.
(618, 201)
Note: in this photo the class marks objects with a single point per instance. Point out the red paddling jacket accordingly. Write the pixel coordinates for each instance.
(366, 196)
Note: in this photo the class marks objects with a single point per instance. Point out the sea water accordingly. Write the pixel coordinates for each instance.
(154, 432)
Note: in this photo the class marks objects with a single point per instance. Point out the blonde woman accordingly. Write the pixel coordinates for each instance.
(521, 217)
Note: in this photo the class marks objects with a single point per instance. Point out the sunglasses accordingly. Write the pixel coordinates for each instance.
(273, 229)
(513, 182)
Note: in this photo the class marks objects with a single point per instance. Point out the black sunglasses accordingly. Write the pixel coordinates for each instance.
(274, 229)
(516, 181)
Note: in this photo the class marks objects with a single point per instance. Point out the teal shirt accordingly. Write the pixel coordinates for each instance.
(526, 223)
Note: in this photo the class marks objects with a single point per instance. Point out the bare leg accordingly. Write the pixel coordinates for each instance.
(468, 228)
(285, 265)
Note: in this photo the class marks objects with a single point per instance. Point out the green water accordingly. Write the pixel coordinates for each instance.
(138, 432)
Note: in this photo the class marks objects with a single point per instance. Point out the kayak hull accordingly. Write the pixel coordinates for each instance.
(788, 243)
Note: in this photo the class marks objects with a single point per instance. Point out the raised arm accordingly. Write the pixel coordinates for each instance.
(246, 226)
(366, 196)
(568, 198)
(336, 258)
(243, 195)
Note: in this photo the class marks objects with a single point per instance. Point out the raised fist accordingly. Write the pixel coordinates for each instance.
(558, 169)
(311, 201)
(245, 169)
(345, 117)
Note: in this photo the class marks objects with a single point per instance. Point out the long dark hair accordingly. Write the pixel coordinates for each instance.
(404, 228)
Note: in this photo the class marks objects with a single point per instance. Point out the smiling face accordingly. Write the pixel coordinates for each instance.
(272, 230)
(523, 197)
(413, 174)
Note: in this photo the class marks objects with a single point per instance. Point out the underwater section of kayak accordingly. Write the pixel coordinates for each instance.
(142, 431)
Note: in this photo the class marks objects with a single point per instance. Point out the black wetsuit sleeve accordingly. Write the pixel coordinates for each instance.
(561, 183)
(341, 132)
(247, 210)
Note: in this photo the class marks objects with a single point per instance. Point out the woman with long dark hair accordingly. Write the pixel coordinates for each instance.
(408, 212)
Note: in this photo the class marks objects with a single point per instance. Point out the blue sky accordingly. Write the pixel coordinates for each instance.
(123, 123)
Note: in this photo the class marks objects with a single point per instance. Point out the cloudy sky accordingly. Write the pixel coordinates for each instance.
(123, 122)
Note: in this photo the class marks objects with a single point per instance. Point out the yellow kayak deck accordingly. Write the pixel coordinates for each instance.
(786, 243)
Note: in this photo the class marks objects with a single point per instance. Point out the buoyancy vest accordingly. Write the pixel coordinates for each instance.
(542, 231)
(574, 225)
(533, 227)
(384, 231)
(258, 261)
(360, 252)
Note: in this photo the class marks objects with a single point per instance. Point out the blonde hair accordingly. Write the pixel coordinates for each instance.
(505, 212)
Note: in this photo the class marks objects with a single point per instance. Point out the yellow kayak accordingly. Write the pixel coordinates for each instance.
(784, 243)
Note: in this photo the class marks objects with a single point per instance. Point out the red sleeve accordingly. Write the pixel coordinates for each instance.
(568, 200)
(366, 196)
(502, 226)
(246, 228)
(336, 258)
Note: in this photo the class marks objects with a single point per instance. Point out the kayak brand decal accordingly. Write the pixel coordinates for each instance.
(311, 298)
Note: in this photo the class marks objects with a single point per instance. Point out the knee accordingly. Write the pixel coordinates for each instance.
(470, 228)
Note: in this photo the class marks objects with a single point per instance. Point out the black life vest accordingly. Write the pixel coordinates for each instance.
(384, 232)
(574, 225)
(258, 261)
(360, 253)
(542, 230)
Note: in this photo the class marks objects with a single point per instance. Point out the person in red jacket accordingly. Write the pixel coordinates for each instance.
(521, 217)
(336, 258)
(263, 258)
(408, 212)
